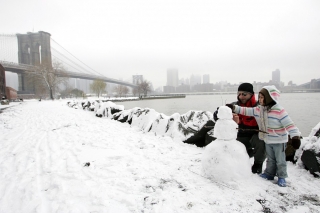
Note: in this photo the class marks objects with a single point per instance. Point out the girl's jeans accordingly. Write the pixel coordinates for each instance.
(276, 160)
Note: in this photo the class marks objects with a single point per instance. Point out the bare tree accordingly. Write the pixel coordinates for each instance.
(135, 91)
(120, 90)
(144, 86)
(98, 87)
(125, 90)
(66, 91)
(47, 77)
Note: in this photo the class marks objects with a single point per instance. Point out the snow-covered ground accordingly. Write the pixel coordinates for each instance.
(54, 158)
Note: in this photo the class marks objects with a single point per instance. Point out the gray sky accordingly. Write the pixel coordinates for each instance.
(231, 40)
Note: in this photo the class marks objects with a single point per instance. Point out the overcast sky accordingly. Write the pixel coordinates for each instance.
(230, 40)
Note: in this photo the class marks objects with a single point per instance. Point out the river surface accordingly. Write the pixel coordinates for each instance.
(303, 108)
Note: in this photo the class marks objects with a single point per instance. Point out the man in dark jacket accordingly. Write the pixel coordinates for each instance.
(248, 127)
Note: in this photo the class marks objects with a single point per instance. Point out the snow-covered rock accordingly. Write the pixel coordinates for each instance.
(143, 118)
(309, 152)
(161, 124)
(107, 109)
(187, 127)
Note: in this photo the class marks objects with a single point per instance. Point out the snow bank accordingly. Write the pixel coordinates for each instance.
(45, 147)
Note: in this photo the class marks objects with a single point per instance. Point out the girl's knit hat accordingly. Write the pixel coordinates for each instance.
(270, 93)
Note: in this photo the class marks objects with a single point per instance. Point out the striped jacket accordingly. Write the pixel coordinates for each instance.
(278, 123)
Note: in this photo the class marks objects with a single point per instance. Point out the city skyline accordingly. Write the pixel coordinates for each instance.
(12, 80)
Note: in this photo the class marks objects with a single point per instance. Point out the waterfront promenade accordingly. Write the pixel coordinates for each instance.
(54, 158)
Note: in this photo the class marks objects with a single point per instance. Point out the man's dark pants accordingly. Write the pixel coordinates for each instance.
(255, 148)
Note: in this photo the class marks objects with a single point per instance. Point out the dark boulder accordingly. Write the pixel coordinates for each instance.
(310, 156)
(310, 161)
(201, 138)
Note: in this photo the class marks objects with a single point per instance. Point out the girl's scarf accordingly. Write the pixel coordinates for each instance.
(263, 122)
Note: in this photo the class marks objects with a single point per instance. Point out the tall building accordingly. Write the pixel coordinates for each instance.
(206, 79)
(172, 77)
(276, 76)
(187, 82)
(137, 79)
(194, 80)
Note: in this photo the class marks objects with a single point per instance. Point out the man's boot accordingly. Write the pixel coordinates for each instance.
(256, 168)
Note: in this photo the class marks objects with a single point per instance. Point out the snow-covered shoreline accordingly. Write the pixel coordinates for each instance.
(45, 147)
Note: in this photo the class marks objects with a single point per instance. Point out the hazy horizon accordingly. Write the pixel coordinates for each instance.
(234, 41)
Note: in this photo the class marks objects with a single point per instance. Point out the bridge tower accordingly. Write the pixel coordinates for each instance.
(33, 49)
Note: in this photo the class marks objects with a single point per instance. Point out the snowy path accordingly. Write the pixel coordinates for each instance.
(44, 147)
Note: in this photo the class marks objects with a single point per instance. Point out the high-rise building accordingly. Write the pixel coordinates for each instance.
(172, 77)
(206, 79)
(137, 79)
(187, 82)
(181, 81)
(194, 80)
(276, 76)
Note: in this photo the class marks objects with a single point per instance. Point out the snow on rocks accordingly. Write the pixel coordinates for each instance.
(107, 109)
(214, 163)
(309, 152)
(179, 127)
(143, 118)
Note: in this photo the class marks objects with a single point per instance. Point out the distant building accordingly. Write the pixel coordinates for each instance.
(187, 82)
(183, 88)
(169, 89)
(276, 76)
(181, 81)
(203, 87)
(137, 79)
(314, 84)
(11, 93)
(172, 77)
(194, 80)
(223, 84)
(206, 79)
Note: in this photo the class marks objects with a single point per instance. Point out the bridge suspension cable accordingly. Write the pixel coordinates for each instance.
(8, 47)
(78, 68)
(86, 70)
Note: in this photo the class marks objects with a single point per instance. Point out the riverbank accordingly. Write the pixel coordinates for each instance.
(72, 161)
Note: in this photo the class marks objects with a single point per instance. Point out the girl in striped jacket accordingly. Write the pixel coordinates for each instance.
(274, 125)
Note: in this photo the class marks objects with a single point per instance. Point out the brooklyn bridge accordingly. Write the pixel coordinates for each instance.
(21, 53)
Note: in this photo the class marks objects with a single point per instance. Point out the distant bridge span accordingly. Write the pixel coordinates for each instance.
(23, 68)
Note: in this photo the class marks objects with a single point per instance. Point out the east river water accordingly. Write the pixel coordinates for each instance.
(303, 108)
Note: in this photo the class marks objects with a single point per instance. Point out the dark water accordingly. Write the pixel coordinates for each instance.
(303, 108)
